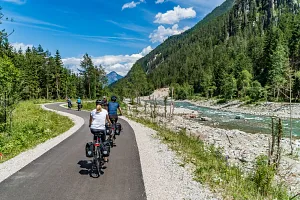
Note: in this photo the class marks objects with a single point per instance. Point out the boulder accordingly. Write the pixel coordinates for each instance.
(205, 119)
(238, 117)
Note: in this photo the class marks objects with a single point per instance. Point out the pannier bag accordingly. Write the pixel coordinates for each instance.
(118, 128)
(107, 128)
(106, 149)
(89, 149)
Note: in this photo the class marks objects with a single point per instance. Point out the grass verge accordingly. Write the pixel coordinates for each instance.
(212, 169)
(31, 126)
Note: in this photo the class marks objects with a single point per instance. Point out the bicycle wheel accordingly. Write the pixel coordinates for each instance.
(97, 161)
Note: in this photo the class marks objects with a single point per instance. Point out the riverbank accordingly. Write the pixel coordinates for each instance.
(281, 110)
(239, 147)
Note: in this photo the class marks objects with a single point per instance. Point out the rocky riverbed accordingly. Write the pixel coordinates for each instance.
(240, 147)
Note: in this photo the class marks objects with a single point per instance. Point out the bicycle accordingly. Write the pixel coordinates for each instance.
(112, 134)
(79, 106)
(98, 160)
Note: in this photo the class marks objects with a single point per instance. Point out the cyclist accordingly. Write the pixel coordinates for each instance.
(69, 103)
(113, 108)
(104, 103)
(97, 122)
(79, 103)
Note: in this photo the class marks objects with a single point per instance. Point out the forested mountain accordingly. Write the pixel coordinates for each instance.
(113, 77)
(253, 50)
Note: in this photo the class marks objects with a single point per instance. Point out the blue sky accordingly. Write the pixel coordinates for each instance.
(114, 32)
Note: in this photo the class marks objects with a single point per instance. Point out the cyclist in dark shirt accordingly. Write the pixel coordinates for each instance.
(113, 108)
(104, 103)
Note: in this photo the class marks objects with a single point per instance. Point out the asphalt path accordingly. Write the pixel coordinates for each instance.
(63, 172)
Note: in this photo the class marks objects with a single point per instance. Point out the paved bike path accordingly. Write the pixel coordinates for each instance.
(62, 172)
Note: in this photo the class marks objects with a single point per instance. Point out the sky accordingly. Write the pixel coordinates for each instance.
(115, 33)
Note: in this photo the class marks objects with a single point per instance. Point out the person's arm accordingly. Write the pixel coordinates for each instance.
(91, 120)
(107, 118)
(120, 110)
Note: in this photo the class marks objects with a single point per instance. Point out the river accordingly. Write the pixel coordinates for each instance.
(247, 122)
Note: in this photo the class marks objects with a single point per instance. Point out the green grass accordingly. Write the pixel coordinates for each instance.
(31, 126)
(211, 168)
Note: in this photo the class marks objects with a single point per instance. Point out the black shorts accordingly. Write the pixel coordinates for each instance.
(113, 117)
(103, 135)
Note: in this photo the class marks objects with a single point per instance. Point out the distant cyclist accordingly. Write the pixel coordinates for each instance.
(104, 103)
(98, 117)
(79, 103)
(113, 108)
(69, 103)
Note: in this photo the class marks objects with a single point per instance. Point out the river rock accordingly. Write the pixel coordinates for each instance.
(238, 117)
(205, 119)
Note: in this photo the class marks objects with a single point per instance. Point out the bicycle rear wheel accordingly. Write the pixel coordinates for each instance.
(98, 161)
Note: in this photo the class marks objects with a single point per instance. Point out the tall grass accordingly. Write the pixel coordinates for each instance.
(212, 168)
(31, 125)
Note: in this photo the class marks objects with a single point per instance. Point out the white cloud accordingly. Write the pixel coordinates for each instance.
(23, 46)
(174, 16)
(160, 1)
(132, 4)
(162, 33)
(118, 63)
(20, 2)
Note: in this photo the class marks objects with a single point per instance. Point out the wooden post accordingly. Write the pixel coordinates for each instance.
(278, 143)
(171, 105)
(273, 137)
(291, 126)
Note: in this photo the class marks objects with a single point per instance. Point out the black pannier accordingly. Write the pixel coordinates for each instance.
(107, 128)
(118, 128)
(106, 149)
(89, 149)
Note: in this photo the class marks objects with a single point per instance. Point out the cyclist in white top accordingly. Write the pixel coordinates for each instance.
(98, 118)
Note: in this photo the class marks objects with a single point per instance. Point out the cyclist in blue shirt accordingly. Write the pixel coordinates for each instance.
(79, 100)
(113, 108)
(79, 103)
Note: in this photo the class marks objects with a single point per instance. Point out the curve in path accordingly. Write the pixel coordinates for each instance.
(62, 172)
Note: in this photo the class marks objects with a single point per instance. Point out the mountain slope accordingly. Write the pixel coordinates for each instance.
(170, 43)
(243, 52)
(113, 77)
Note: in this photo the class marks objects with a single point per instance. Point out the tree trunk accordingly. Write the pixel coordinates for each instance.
(90, 90)
(57, 93)
(47, 87)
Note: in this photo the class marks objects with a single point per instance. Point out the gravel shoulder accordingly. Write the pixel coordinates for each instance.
(13, 165)
(164, 178)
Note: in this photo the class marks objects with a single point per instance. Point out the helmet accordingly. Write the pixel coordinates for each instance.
(78, 97)
(99, 102)
(114, 98)
(104, 97)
